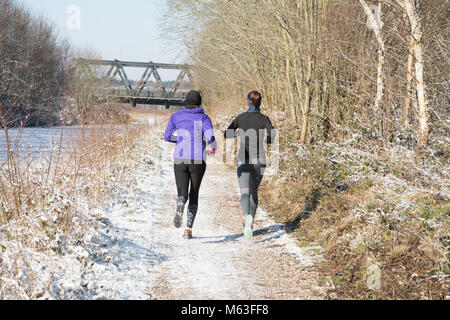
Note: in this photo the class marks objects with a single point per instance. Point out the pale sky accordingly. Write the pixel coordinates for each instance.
(117, 29)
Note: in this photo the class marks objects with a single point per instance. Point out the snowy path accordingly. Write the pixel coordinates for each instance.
(149, 259)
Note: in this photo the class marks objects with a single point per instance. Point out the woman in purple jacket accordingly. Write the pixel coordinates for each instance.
(192, 127)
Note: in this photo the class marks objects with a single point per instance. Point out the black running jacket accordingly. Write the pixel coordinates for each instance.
(252, 128)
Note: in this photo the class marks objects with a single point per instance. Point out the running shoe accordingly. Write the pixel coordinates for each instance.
(178, 220)
(248, 228)
(187, 234)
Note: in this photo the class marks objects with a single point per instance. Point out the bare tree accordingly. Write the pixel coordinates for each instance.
(319, 69)
(33, 66)
(376, 24)
(411, 8)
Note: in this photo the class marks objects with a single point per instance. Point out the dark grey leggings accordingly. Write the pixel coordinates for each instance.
(250, 177)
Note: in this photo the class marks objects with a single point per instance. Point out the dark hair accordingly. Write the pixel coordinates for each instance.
(255, 97)
(193, 99)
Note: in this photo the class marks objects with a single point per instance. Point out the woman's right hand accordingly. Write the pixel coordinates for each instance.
(210, 152)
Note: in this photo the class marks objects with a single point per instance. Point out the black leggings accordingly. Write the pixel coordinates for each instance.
(189, 178)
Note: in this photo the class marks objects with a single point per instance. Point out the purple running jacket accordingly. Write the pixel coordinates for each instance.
(193, 130)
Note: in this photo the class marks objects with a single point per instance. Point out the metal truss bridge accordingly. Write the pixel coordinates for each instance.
(141, 93)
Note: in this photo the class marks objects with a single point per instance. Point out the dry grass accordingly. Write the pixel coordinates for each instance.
(380, 219)
(45, 201)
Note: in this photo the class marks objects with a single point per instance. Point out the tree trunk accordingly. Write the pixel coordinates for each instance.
(416, 31)
(377, 29)
(307, 103)
(292, 108)
(409, 81)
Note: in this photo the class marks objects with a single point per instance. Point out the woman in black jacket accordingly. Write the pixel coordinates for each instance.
(251, 127)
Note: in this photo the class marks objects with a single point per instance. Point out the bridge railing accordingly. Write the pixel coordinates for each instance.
(152, 93)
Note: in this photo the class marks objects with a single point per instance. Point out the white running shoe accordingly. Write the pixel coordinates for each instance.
(248, 229)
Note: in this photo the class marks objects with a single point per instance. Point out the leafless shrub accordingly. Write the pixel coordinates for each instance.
(34, 64)
(319, 63)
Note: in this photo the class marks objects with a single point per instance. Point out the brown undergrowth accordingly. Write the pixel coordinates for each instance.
(378, 210)
(48, 201)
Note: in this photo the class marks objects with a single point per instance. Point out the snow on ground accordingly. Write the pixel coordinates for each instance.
(149, 259)
(136, 253)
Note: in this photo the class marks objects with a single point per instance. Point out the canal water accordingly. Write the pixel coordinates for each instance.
(39, 141)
